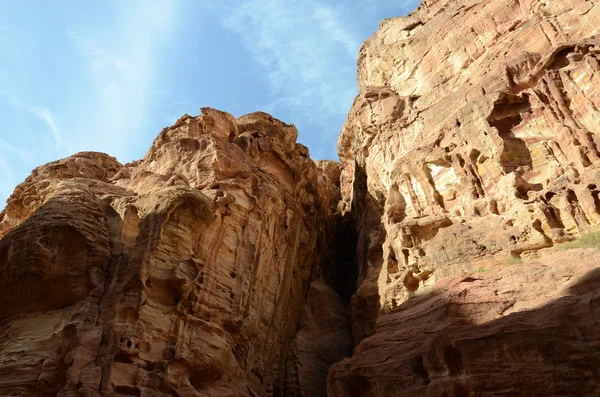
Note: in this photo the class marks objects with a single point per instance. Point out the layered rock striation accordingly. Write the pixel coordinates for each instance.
(184, 273)
(474, 137)
(227, 263)
(474, 143)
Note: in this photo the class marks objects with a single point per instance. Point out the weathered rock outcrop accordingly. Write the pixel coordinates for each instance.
(227, 263)
(184, 273)
(474, 138)
(527, 330)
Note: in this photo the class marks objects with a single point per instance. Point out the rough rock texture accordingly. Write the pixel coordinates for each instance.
(474, 139)
(322, 340)
(182, 274)
(222, 263)
(528, 330)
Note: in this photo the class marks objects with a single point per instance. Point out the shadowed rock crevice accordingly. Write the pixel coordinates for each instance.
(505, 118)
(346, 273)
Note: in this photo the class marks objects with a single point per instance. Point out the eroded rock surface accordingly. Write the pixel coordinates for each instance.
(474, 137)
(184, 273)
(322, 340)
(473, 143)
(527, 330)
(227, 263)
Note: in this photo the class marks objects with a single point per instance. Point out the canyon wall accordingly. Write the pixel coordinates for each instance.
(182, 274)
(474, 137)
(473, 144)
(523, 330)
(430, 262)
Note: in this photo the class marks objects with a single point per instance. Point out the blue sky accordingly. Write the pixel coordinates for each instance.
(109, 75)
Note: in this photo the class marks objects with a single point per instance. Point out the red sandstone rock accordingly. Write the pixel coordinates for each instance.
(212, 266)
(527, 330)
(474, 139)
(322, 340)
(183, 274)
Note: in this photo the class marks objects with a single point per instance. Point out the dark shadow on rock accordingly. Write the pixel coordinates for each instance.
(53, 269)
(443, 344)
(366, 215)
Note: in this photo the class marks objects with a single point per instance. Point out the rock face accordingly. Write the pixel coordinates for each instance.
(322, 340)
(227, 263)
(182, 274)
(474, 139)
(528, 330)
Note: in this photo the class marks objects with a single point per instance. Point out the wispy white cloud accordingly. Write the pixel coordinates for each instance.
(10, 155)
(89, 79)
(98, 57)
(305, 49)
(24, 155)
(44, 115)
(331, 24)
(122, 72)
(15, 159)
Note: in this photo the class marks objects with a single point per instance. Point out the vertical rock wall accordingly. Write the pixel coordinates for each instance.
(472, 145)
(474, 138)
(184, 273)
(222, 263)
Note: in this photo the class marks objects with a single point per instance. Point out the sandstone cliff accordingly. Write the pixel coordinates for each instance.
(474, 143)
(227, 263)
(184, 273)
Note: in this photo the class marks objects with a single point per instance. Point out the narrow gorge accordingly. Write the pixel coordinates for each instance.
(454, 251)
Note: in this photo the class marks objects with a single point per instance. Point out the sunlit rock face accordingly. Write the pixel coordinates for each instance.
(474, 139)
(227, 263)
(184, 273)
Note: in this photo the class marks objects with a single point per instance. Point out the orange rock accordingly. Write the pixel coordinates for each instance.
(227, 263)
(184, 273)
(474, 138)
(526, 330)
